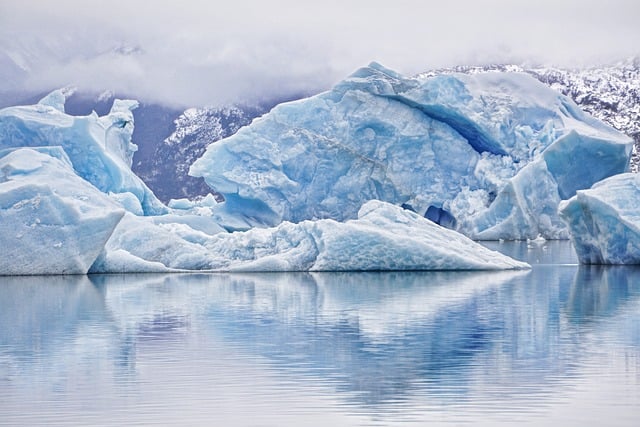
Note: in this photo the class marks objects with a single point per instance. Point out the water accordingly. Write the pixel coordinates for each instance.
(557, 345)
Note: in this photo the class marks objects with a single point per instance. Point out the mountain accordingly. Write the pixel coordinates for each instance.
(165, 165)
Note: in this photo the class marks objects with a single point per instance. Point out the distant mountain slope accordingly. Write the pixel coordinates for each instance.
(166, 166)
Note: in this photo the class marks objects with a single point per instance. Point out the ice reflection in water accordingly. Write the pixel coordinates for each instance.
(555, 345)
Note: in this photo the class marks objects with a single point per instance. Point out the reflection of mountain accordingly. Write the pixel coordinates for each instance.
(380, 339)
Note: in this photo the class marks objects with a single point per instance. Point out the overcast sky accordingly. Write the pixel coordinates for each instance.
(210, 52)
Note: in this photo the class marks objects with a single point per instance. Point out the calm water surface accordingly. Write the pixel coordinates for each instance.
(557, 345)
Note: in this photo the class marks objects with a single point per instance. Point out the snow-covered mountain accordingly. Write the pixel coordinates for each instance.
(610, 93)
(166, 166)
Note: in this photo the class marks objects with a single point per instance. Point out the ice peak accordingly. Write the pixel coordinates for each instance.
(55, 99)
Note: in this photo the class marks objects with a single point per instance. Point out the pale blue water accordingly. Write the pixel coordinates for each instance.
(557, 345)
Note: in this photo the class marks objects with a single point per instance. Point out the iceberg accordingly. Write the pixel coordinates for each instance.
(51, 220)
(526, 207)
(73, 206)
(604, 221)
(383, 237)
(452, 147)
(99, 148)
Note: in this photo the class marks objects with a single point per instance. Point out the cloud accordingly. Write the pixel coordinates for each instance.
(199, 52)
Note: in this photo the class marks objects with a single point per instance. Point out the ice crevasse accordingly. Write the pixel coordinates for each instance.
(494, 152)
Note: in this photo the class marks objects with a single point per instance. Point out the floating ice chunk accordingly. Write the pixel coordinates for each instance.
(384, 237)
(527, 205)
(140, 245)
(99, 148)
(604, 221)
(453, 142)
(51, 220)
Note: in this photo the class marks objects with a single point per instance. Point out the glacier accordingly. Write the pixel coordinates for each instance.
(383, 237)
(51, 220)
(493, 153)
(604, 221)
(99, 148)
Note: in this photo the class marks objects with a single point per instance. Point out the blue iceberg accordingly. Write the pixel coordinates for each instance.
(69, 204)
(453, 145)
(604, 221)
(99, 148)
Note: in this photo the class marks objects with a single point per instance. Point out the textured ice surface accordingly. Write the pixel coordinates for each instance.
(384, 237)
(100, 148)
(526, 207)
(604, 221)
(451, 142)
(51, 220)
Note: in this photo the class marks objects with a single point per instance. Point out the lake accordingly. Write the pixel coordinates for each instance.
(556, 345)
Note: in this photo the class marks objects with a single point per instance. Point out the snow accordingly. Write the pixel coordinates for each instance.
(456, 143)
(51, 220)
(605, 221)
(384, 237)
(99, 148)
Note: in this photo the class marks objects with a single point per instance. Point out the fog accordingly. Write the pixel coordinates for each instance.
(193, 53)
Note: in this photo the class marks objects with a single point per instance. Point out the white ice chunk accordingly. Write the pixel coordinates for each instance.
(51, 220)
(604, 221)
(384, 237)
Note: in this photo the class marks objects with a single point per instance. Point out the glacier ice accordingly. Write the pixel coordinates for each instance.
(526, 207)
(72, 205)
(384, 237)
(99, 148)
(51, 220)
(338, 182)
(604, 221)
(455, 144)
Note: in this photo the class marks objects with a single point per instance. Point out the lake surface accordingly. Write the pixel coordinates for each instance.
(557, 345)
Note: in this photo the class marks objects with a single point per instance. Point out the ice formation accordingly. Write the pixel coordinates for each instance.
(99, 148)
(604, 221)
(51, 220)
(384, 237)
(491, 155)
(455, 143)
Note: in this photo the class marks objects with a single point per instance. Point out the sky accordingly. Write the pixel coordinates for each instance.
(194, 53)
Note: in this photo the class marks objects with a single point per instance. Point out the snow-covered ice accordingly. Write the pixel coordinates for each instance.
(456, 143)
(51, 220)
(384, 237)
(604, 221)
